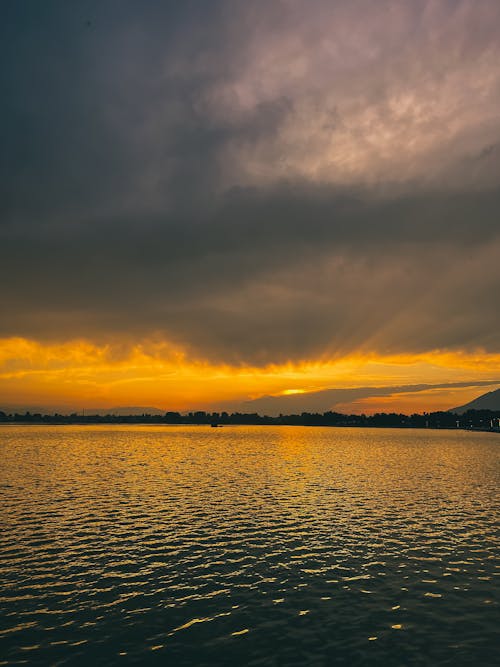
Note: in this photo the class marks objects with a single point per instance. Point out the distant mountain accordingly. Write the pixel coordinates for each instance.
(488, 401)
(124, 411)
(21, 409)
(50, 410)
(345, 400)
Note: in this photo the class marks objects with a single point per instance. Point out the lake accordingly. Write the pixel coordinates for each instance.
(248, 546)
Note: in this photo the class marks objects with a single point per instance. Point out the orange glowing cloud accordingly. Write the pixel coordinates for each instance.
(79, 374)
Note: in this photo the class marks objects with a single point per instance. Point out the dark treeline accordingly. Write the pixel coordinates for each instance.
(472, 419)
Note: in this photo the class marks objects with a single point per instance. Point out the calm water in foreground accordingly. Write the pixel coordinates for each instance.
(248, 546)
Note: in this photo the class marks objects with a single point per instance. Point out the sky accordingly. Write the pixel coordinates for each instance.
(253, 204)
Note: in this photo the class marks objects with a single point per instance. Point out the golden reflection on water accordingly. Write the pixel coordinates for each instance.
(183, 542)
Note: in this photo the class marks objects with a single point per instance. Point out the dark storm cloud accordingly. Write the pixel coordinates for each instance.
(242, 179)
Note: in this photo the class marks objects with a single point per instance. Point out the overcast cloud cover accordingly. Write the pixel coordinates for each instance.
(257, 181)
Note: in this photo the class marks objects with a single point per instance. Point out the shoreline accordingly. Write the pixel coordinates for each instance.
(473, 429)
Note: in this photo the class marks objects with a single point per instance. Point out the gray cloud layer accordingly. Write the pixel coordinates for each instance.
(257, 181)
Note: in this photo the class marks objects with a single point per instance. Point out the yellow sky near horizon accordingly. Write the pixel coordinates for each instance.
(79, 374)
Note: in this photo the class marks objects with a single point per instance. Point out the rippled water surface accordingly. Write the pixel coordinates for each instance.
(248, 546)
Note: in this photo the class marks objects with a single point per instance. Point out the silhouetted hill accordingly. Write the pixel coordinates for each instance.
(488, 401)
(124, 411)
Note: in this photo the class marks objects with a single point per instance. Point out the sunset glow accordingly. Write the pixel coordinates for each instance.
(79, 375)
(216, 203)
(249, 332)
